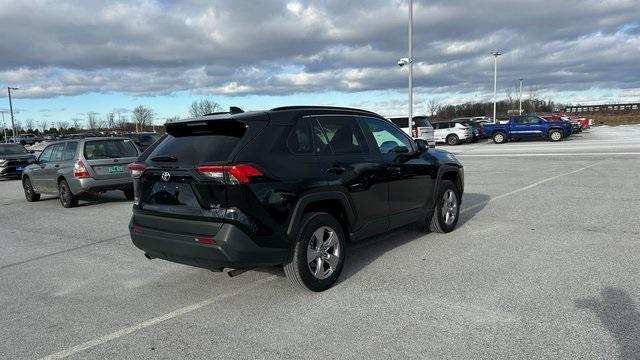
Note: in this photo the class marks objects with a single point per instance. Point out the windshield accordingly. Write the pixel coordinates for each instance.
(109, 149)
(12, 149)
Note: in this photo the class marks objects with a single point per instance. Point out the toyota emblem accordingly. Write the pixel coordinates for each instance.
(166, 176)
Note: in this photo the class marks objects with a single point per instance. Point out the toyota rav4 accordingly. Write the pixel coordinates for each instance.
(289, 186)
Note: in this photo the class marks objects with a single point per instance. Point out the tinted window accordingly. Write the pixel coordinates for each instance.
(70, 151)
(320, 141)
(533, 120)
(343, 134)
(400, 122)
(300, 140)
(56, 154)
(519, 120)
(442, 126)
(149, 138)
(389, 138)
(12, 149)
(46, 154)
(194, 143)
(421, 122)
(109, 149)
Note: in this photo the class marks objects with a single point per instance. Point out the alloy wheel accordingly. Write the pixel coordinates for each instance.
(449, 206)
(323, 252)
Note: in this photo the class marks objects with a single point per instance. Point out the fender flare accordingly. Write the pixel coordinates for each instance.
(305, 200)
(445, 169)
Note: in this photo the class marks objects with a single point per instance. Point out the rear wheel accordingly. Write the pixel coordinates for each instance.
(555, 135)
(128, 193)
(318, 253)
(29, 193)
(453, 139)
(67, 199)
(447, 209)
(499, 137)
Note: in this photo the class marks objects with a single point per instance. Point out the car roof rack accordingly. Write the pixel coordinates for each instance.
(303, 107)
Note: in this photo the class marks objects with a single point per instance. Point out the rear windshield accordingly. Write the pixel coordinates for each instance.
(12, 149)
(196, 143)
(109, 149)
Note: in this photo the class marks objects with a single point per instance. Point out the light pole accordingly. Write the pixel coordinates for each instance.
(410, 67)
(520, 98)
(13, 124)
(4, 127)
(495, 81)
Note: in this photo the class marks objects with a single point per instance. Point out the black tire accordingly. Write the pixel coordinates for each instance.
(67, 199)
(499, 137)
(555, 135)
(437, 221)
(128, 193)
(23, 143)
(453, 139)
(298, 270)
(29, 193)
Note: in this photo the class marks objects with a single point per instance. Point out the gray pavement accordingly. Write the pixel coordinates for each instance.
(545, 263)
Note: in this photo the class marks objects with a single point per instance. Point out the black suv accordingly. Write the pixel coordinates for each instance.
(288, 186)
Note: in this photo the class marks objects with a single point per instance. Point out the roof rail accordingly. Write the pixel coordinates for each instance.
(302, 107)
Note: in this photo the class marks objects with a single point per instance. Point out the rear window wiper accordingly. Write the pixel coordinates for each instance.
(164, 158)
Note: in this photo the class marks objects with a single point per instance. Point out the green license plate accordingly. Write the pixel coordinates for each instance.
(116, 169)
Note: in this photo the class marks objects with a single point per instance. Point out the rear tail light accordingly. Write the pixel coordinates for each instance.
(415, 132)
(230, 174)
(136, 170)
(80, 170)
(205, 240)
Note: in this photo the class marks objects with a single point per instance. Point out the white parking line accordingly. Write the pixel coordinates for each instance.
(145, 324)
(547, 154)
(462, 211)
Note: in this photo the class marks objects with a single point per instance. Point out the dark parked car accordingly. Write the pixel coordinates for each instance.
(288, 186)
(143, 140)
(14, 158)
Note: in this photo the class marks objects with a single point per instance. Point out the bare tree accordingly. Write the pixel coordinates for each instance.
(92, 120)
(121, 122)
(508, 92)
(204, 106)
(76, 123)
(43, 124)
(29, 124)
(62, 126)
(433, 106)
(142, 116)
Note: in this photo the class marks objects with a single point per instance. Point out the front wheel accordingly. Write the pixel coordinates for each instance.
(318, 253)
(447, 209)
(67, 199)
(29, 193)
(555, 135)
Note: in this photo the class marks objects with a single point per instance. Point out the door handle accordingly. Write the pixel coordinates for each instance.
(56, 165)
(335, 170)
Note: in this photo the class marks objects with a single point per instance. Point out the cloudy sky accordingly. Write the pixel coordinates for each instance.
(72, 57)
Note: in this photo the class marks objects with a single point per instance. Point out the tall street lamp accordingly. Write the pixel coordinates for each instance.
(4, 127)
(520, 98)
(13, 124)
(409, 62)
(495, 81)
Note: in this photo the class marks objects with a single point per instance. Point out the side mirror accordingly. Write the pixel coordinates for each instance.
(423, 146)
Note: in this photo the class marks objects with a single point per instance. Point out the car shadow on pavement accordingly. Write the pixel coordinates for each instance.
(363, 253)
(619, 314)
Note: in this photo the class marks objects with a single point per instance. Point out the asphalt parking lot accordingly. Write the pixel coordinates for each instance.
(545, 263)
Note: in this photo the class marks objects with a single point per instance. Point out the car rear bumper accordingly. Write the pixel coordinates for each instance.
(233, 248)
(90, 185)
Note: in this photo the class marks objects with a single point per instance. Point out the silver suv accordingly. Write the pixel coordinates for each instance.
(74, 167)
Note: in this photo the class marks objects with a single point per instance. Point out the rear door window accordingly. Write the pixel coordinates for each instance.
(109, 149)
(56, 154)
(343, 134)
(70, 151)
(300, 140)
